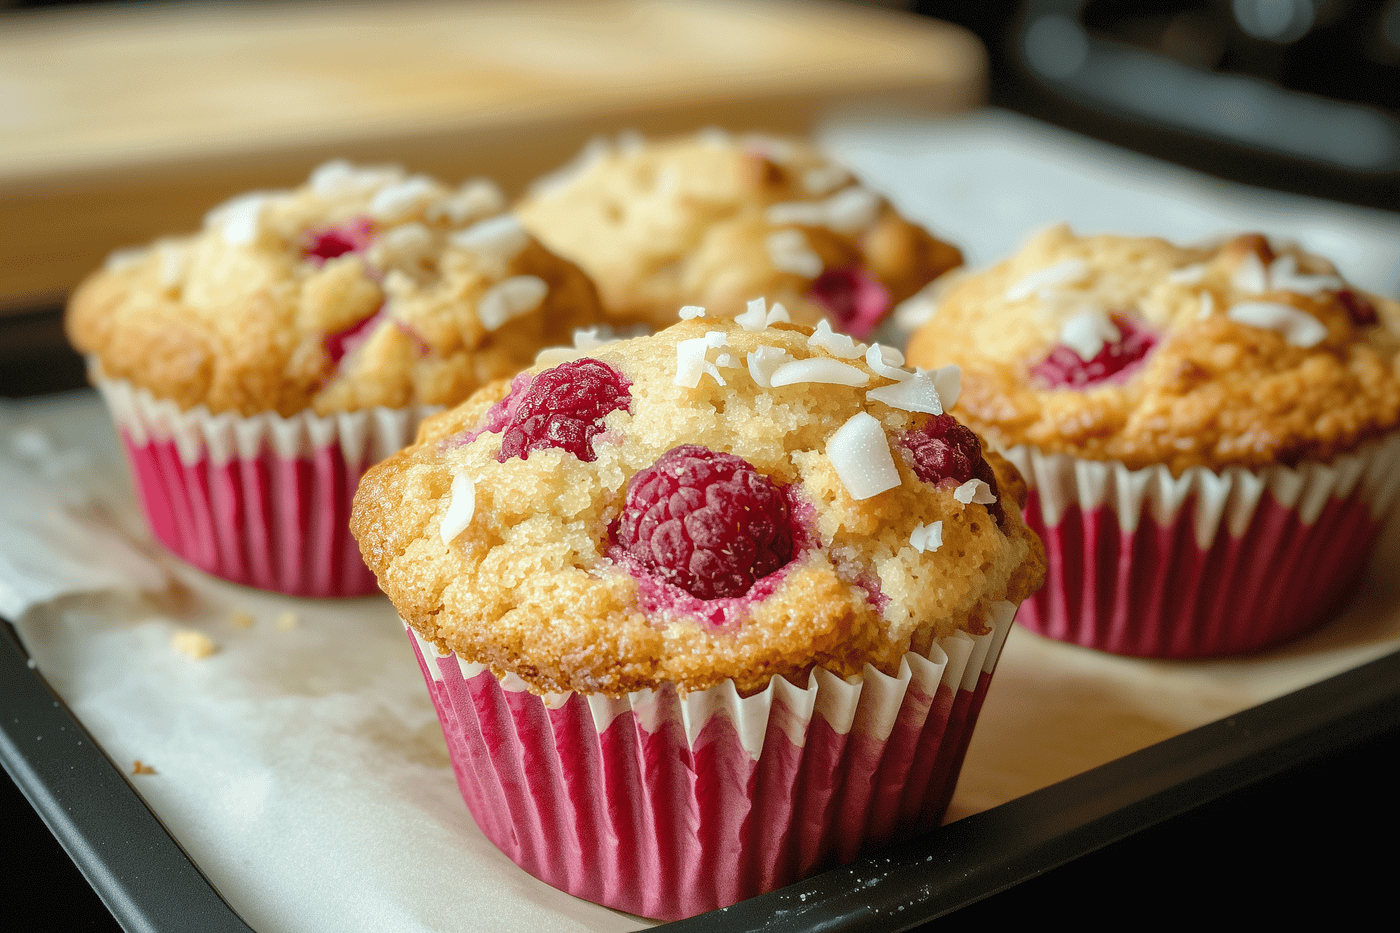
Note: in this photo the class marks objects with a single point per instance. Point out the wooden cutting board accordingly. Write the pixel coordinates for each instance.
(121, 124)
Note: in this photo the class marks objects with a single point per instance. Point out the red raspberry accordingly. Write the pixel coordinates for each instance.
(944, 449)
(1359, 307)
(564, 407)
(705, 521)
(349, 237)
(1063, 367)
(343, 341)
(853, 298)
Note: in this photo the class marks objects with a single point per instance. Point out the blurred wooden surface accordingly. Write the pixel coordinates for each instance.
(118, 125)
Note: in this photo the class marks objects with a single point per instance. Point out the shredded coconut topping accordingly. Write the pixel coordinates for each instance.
(825, 179)
(838, 345)
(860, 454)
(691, 361)
(477, 197)
(926, 538)
(1061, 273)
(1188, 275)
(948, 381)
(402, 200)
(1087, 332)
(124, 258)
(778, 314)
(726, 361)
(919, 392)
(503, 237)
(754, 318)
(974, 490)
(1299, 328)
(1284, 276)
(510, 298)
(173, 257)
(846, 211)
(802, 213)
(691, 311)
(789, 251)
(461, 505)
(1207, 307)
(764, 361)
(887, 362)
(819, 370)
(337, 178)
(1250, 276)
(239, 219)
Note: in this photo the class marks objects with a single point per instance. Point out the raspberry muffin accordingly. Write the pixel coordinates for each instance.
(713, 219)
(257, 367)
(706, 611)
(1209, 433)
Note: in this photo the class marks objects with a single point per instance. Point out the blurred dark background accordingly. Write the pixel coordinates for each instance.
(1298, 95)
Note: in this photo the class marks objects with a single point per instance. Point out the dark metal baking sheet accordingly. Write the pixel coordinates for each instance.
(149, 883)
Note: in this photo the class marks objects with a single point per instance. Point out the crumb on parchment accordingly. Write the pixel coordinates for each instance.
(138, 767)
(241, 619)
(195, 644)
(286, 621)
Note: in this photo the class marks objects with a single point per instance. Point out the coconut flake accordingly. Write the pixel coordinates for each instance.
(461, 505)
(595, 152)
(726, 361)
(778, 314)
(764, 361)
(1061, 273)
(802, 213)
(691, 311)
(403, 199)
(1250, 276)
(1087, 332)
(478, 197)
(510, 298)
(691, 363)
(172, 256)
(120, 259)
(1207, 307)
(839, 345)
(503, 237)
(591, 338)
(819, 370)
(926, 538)
(1284, 276)
(789, 251)
(974, 490)
(948, 381)
(239, 219)
(1188, 275)
(1299, 328)
(917, 393)
(824, 179)
(887, 362)
(860, 453)
(852, 209)
(754, 318)
(339, 178)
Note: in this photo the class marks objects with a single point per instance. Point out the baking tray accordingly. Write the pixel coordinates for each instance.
(148, 882)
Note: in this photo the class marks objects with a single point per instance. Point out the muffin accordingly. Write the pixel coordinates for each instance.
(255, 368)
(712, 219)
(1209, 433)
(702, 612)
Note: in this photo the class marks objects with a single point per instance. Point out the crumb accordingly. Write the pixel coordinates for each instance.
(195, 644)
(286, 621)
(241, 619)
(138, 768)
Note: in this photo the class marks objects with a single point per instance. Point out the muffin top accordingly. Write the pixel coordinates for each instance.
(363, 287)
(712, 219)
(1245, 353)
(722, 499)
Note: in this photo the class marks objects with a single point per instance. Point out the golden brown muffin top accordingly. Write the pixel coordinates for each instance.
(363, 287)
(712, 219)
(1245, 353)
(523, 564)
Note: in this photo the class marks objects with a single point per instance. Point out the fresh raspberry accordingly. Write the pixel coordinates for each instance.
(944, 449)
(349, 237)
(705, 521)
(1359, 307)
(1063, 367)
(343, 341)
(564, 407)
(853, 298)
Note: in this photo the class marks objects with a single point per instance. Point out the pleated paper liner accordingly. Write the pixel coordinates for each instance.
(260, 500)
(1206, 564)
(669, 805)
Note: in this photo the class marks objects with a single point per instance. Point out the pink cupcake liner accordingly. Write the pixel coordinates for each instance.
(1207, 564)
(260, 500)
(668, 805)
